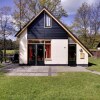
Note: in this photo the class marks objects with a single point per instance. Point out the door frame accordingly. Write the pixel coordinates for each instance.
(72, 63)
(36, 64)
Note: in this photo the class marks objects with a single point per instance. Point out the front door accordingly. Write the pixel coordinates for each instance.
(40, 54)
(36, 54)
(72, 55)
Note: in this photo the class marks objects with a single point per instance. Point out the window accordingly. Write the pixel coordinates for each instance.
(47, 21)
(48, 50)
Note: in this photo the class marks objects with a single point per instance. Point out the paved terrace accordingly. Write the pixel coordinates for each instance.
(16, 70)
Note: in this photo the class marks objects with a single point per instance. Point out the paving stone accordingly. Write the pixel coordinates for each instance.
(16, 70)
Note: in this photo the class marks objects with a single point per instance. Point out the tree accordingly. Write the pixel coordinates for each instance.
(81, 20)
(6, 26)
(87, 23)
(94, 23)
(10, 45)
(26, 9)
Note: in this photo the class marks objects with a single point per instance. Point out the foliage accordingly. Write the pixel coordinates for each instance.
(26, 9)
(10, 52)
(67, 86)
(96, 42)
(95, 64)
(87, 23)
(10, 45)
(6, 27)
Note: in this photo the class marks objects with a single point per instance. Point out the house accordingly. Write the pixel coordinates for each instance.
(46, 41)
(98, 46)
(96, 52)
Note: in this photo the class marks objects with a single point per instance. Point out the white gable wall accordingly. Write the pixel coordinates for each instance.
(78, 59)
(59, 52)
(23, 48)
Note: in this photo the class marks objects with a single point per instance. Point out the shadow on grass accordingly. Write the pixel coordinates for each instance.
(90, 64)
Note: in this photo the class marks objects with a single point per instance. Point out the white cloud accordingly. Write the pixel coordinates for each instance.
(11, 20)
(71, 6)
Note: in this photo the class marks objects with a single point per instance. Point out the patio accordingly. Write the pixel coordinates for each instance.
(16, 70)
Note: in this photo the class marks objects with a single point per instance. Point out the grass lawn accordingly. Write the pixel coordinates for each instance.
(66, 86)
(96, 64)
(11, 51)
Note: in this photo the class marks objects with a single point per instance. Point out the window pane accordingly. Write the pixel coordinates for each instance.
(47, 51)
(47, 21)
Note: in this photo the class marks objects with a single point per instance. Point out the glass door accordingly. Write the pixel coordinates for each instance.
(32, 54)
(40, 54)
(72, 55)
(36, 54)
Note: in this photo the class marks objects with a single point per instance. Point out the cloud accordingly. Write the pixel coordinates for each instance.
(10, 26)
(10, 20)
(71, 6)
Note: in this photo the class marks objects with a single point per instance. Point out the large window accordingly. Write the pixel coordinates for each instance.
(47, 49)
(47, 21)
(47, 46)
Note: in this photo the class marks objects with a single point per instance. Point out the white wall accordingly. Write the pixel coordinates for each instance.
(59, 52)
(78, 60)
(23, 48)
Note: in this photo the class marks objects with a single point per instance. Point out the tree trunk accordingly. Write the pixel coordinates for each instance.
(4, 48)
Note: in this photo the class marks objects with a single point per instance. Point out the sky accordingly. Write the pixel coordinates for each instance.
(70, 6)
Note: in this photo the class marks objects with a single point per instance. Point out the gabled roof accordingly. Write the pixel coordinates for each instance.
(61, 24)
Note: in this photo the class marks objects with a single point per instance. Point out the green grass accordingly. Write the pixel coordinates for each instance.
(66, 86)
(11, 51)
(96, 64)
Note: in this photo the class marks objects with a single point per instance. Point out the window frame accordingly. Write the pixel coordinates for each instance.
(45, 25)
(42, 41)
(50, 50)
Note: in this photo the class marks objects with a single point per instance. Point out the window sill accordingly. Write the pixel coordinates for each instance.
(47, 26)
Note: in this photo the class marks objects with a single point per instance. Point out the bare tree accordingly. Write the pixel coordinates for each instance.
(6, 27)
(81, 19)
(87, 23)
(94, 23)
(26, 9)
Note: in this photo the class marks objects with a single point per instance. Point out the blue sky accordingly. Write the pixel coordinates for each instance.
(70, 6)
(6, 3)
